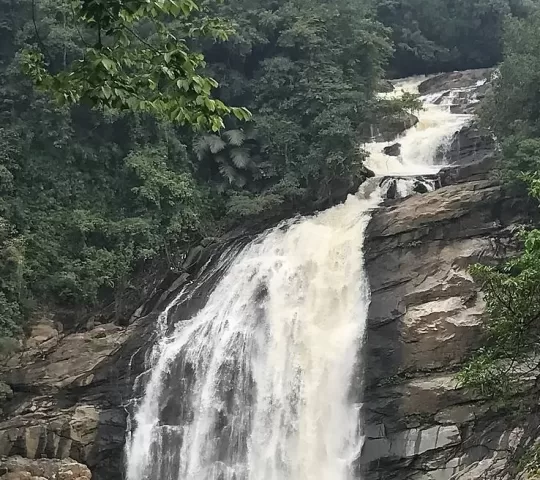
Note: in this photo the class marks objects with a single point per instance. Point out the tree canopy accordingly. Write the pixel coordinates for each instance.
(126, 133)
(442, 35)
(131, 59)
(100, 173)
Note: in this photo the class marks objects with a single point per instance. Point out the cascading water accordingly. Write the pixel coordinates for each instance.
(257, 385)
(420, 144)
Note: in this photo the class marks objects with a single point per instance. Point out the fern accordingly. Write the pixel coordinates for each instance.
(235, 138)
(240, 158)
(215, 143)
(229, 154)
(233, 177)
(201, 147)
(208, 144)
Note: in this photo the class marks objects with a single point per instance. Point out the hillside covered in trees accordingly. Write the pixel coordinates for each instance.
(89, 195)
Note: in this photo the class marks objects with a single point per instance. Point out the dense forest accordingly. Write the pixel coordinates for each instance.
(94, 188)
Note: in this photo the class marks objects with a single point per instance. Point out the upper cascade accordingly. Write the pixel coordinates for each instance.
(421, 147)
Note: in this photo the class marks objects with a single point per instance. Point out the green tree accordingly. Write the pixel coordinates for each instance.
(131, 60)
(440, 35)
(91, 195)
(309, 72)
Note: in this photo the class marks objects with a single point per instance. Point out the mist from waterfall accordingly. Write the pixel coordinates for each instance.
(258, 385)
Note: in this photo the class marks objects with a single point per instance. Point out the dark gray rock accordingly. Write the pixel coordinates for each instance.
(388, 128)
(446, 81)
(391, 192)
(425, 319)
(420, 187)
(393, 150)
(18, 468)
(386, 86)
(469, 145)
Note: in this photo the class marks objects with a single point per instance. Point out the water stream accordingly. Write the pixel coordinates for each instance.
(257, 385)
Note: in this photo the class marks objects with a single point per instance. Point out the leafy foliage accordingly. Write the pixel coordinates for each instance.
(89, 195)
(439, 35)
(512, 108)
(509, 361)
(11, 280)
(160, 74)
(308, 70)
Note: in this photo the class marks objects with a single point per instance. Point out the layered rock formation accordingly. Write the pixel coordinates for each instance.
(425, 319)
(64, 398)
(18, 468)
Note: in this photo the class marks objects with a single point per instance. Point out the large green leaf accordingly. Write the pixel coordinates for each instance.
(235, 137)
(232, 176)
(240, 157)
(201, 146)
(215, 143)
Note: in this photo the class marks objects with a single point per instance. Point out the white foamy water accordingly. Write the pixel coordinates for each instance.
(258, 384)
(273, 351)
(419, 145)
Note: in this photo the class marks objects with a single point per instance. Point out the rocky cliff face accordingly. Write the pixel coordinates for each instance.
(425, 320)
(64, 398)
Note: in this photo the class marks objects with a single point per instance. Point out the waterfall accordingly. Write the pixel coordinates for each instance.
(420, 144)
(258, 384)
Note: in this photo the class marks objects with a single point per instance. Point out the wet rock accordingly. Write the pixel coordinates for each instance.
(447, 81)
(6, 393)
(462, 414)
(86, 433)
(51, 362)
(386, 86)
(391, 192)
(388, 128)
(425, 320)
(337, 190)
(477, 170)
(18, 468)
(393, 150)
(44, 335)
(471, 144)
(421, 188)
(411, 443)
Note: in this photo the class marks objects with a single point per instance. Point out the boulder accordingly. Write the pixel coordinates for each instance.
(51, 362)
(18, 468)
(447, 81)
(386, 86)
(43, 335)
(393, 150)
(421, 187)
(388, 128)
(471, 144)
(43, 429)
